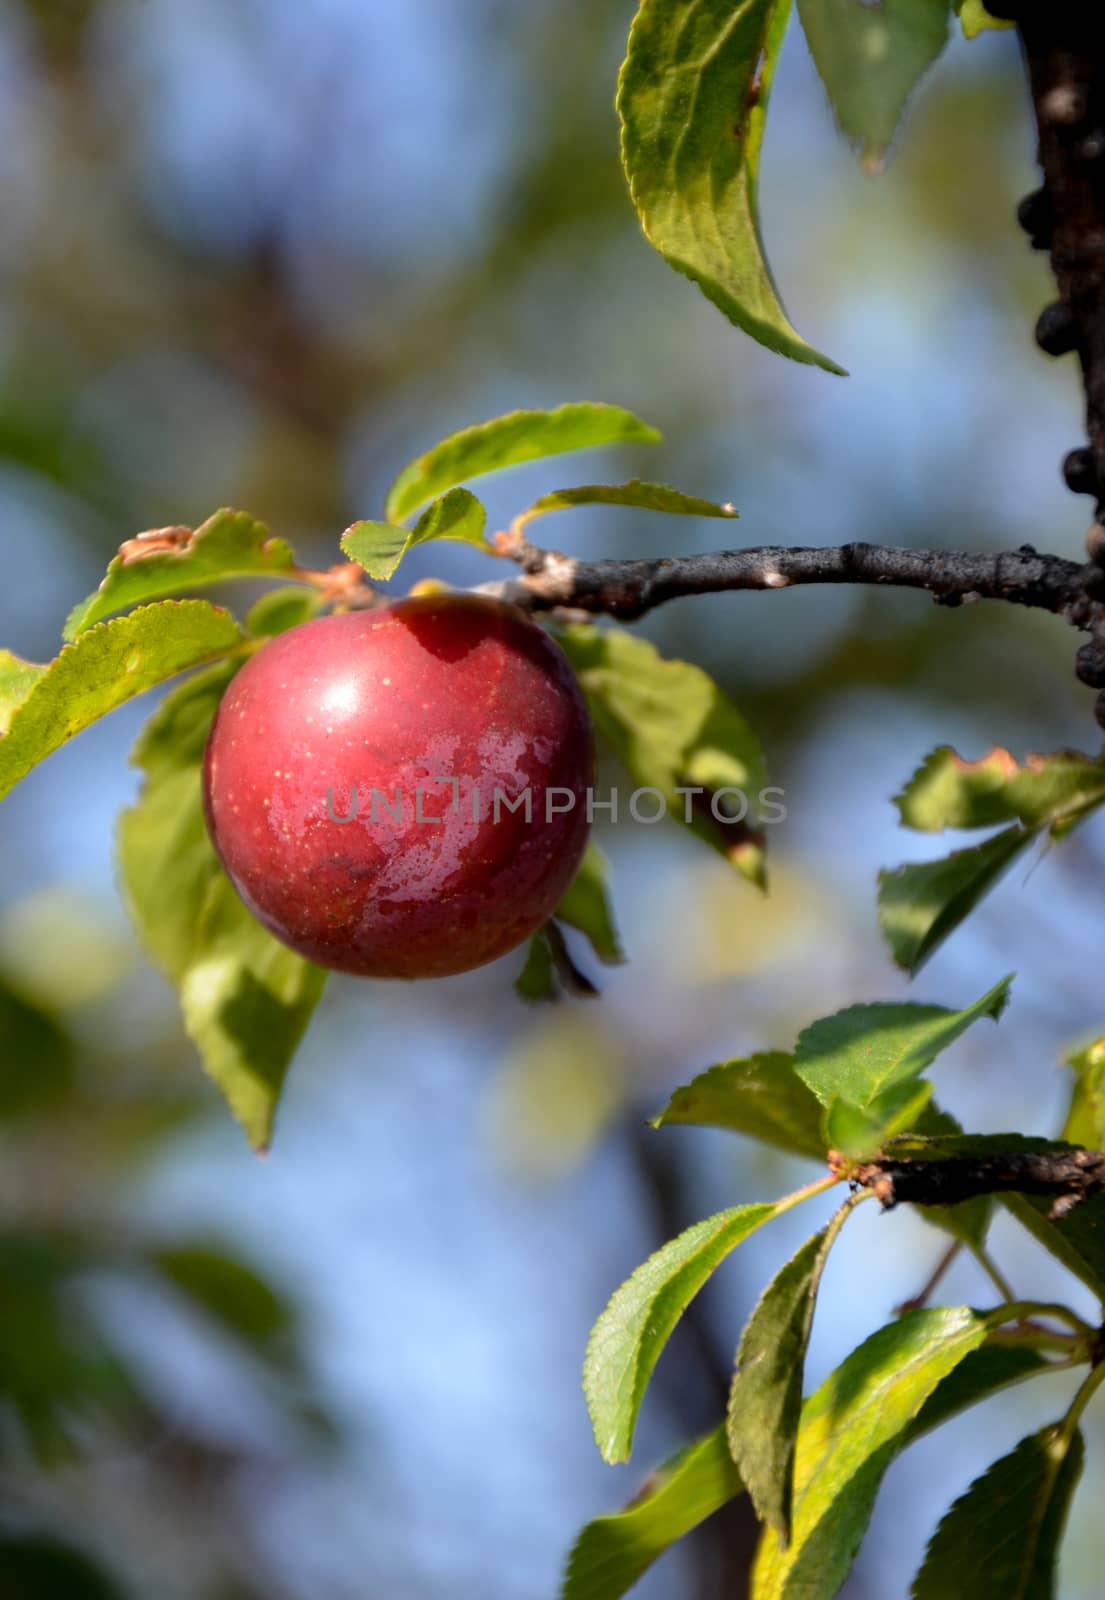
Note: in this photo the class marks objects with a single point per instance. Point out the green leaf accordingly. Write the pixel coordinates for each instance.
(1047, 792)
(922, 903)
(761, 1096)
(106, 667)
(861, 1131)
(166, 560)
(765, 1400)
(282, 609)
(41, 1566)
(225, 1289)
(612, 1552)
(644, 496)
(246, 999)
(17, 679)
(860, 1052)
(507, 441)
(585, 905)
(975, 19)
(675, 731)
(1000, 1540)
(1085, 1123)
(36, 1056)
(871, 58)
(537, 979)
(692, 97)
(628, 1337)
(851, 1430)
(1077, 1239)
(380, 546)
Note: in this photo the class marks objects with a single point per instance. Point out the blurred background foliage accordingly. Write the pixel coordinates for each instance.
(261, 253)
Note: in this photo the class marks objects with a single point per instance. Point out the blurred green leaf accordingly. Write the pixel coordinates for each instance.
(765, 1400)
(643, 496)
(612, 1552)
(282, 609)
(166, 560)
(851, 1430)
(692, 97)
(227, 1290)
(858, 1053)
(380, 546)
(585, 905)
(106, 667)
(871, 58)
(507, 441)
(37, 1567)
(673, 730)
(1048, 791)
(1000, 1540)
(761, 1096)
(36, 1056)
(922, 903)
(17, 679)
(245, 997)
(628, 1337)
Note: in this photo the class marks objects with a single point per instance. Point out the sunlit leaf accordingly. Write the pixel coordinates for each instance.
(1000, 1540)
(870, 58)
(167, 560)
(851, 1430)
(761, 1096)
(1085, 1123)
(675, 731)
(643, 496)
(104, 668)
(1047, 791)
(692, 97)
(923, 902)
(861, 1131)
(612, 1552)
(17, 679)
(245, 997)
(507, 441)
(380, 546)
(857, 1054)
(627, 1339)
(975, 19)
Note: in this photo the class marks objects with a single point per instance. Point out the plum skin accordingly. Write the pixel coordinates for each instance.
(452, 685)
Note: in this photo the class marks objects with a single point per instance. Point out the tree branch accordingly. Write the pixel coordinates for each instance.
(627, 589)
(1064, 48)
(1071, 1176)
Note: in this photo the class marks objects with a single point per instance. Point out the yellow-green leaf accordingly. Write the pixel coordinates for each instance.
(105, 667)
(692, 97)
(167, 560)
(379, 547)
(507, 441)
